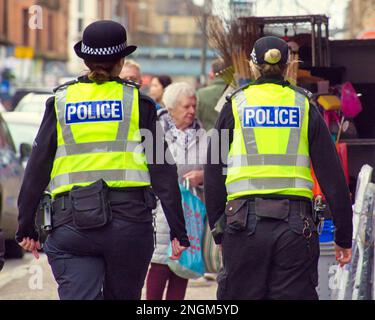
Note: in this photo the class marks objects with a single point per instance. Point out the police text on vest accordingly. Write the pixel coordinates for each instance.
(272, 117)
(94, 111)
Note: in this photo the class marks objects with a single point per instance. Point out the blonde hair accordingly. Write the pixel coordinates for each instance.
(272, 68)
(132, 63)
(272, 56)
(100, 72)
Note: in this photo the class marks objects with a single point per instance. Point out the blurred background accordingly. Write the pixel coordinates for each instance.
(169, 34)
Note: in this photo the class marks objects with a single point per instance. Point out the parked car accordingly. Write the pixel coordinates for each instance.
(33, 102)
(11, 175)
(20, 93)
(23, 127)
(2, 108)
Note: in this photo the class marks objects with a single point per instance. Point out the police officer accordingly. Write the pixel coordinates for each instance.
(88, 150)
(262, 187)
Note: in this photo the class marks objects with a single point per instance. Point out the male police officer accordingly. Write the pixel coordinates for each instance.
(270, 244)
(89, 150)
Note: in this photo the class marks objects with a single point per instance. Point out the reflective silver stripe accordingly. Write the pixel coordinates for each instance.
(123, 130)
(248, 133)
(67, 133)
(267, 184)
(107, 175)
(269, 160)
(98, 147)
(295, 133)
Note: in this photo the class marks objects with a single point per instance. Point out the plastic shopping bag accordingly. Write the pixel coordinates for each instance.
(191, 263)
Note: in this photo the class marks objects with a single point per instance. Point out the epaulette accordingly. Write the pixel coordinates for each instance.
(65, 85)
(131, 83)
(229, 97)
(302, 91)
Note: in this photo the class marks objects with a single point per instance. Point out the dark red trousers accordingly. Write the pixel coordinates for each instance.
(157, 278)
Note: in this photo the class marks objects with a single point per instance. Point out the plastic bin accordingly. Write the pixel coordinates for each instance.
(328, 232)
(326, 269)
(327, 260)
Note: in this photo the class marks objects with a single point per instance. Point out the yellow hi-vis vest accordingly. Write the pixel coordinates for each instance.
(270, 149)
(98, 137)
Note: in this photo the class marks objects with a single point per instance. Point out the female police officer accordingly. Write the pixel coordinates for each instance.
(270, 244)
(88, 151)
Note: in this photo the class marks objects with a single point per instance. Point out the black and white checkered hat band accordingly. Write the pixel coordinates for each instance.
(254, 57)
(103, 51)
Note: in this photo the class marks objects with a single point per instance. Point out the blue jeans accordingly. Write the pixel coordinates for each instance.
(109, 262)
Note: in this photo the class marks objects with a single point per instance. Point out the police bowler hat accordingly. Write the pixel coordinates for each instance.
(265, 44)
(104, 41)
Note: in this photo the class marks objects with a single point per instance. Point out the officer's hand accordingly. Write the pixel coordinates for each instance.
(177, 249)
(195, 178)
(343, 256)
(31, 245)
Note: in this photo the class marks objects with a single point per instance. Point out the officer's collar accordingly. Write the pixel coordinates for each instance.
(272, 79)
(86, 79)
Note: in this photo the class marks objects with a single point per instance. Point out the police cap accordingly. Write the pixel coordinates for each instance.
(270, 50)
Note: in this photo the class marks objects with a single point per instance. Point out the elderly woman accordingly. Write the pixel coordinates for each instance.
(184, 137)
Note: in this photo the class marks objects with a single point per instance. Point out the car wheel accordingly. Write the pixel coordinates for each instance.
(13, 250)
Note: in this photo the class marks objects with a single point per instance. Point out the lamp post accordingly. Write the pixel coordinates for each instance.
(207, 7)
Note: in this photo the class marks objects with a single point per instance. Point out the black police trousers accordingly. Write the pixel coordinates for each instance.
(270, 260)
(108, 263)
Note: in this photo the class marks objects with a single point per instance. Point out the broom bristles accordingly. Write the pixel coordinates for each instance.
(233, 39)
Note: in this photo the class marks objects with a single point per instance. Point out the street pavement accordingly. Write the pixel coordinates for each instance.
(31, 279)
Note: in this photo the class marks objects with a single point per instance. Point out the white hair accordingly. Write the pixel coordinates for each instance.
(132, 63)
(175, 91)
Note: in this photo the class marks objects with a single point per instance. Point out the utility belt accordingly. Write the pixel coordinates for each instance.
(90, 207)
(238, 212)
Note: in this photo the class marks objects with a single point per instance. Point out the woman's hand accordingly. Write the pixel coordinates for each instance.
(343, 256)
(31, 245)
(177, 249)
(195, 178)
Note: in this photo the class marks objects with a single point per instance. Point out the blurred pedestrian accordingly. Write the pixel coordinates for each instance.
(208, 97)
(183, 134)
(157, 86)
(88, 150)
(131, 71)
